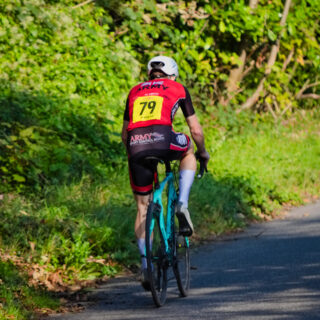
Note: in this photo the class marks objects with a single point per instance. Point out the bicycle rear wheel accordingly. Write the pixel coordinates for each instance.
(157, 262)
(181, 265)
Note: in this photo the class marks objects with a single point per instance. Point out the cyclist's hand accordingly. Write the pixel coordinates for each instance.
(203, 158)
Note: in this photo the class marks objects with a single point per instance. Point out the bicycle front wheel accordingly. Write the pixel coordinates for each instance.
(181, 265)
(157, 262)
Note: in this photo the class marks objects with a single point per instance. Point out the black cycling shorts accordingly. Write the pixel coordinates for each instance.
(158, 141)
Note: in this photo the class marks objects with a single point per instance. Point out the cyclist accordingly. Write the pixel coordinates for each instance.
(147, 131)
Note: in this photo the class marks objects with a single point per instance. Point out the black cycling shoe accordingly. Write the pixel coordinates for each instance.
(145, 280)
(185, 223)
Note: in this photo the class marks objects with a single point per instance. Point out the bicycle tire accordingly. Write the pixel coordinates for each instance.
(157, 264)
(181, 265)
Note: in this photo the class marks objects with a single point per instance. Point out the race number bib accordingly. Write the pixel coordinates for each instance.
(147, 108)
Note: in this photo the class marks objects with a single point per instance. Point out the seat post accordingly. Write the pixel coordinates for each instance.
(168, 166)
(155, 175)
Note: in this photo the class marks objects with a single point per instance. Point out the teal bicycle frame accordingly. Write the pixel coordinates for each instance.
(165, 247)
(166, 228)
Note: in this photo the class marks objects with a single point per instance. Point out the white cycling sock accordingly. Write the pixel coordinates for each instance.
(142, 249)
(185, 182)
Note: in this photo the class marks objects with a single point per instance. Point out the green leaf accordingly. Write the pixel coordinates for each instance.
(271, 35)
(223, 77)
(4, 169)
(291, 29)
(18, 178)
(222, 27)
(26, 132)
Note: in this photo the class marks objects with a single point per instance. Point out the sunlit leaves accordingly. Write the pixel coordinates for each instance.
(62, 90)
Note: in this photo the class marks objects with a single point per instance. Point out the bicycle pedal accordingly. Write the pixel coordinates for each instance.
(180, 241)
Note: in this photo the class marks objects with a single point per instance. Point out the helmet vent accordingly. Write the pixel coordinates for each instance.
(157, 64)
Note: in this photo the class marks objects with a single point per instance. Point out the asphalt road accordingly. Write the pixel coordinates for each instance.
(270, 271)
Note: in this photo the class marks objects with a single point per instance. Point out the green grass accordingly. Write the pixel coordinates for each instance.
(72, 228)
(18, 299)
(256, 169)
(85, 230)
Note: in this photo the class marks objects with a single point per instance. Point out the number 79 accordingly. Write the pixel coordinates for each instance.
(151, 105)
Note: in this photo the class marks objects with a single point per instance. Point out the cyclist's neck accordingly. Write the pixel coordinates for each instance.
(173, 78)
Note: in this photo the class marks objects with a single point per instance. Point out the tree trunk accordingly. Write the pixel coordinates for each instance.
(253, 4)
(236, 74)
(271, 61)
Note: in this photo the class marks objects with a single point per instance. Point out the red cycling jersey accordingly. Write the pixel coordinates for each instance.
(155, 102)
(150, 110)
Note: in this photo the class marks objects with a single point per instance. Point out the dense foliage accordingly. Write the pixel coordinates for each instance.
(61, 94)
(66, 67)
(209, 38)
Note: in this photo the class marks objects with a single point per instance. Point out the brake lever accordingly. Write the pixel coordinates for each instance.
(203, 168)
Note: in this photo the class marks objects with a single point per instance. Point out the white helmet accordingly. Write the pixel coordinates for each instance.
(164, 64)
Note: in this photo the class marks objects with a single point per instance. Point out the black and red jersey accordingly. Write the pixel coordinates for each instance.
(155, 102)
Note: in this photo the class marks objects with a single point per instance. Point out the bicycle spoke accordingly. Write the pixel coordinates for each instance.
(182, 265)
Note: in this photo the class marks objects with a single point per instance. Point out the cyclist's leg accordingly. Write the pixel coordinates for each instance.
(181, 148)
(142, 202)
(141, 179)
(188, 166)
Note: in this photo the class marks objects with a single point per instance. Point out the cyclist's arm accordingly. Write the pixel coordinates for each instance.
(198, 137)
(124, 133)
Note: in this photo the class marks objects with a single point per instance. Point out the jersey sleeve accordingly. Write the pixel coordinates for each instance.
(186, 105)
(126, 111)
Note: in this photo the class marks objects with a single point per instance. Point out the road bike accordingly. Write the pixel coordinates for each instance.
(165, 247)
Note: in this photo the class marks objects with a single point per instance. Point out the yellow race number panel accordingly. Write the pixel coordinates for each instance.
(147, 108)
